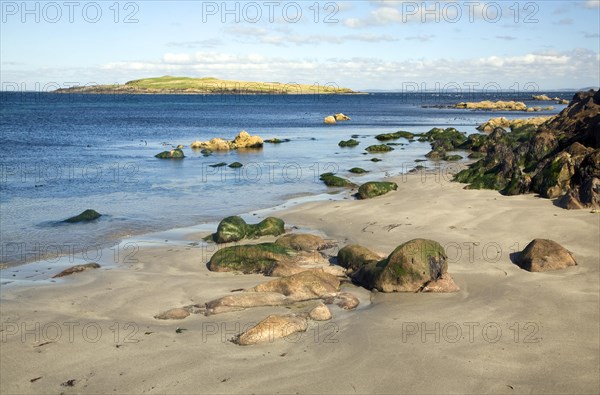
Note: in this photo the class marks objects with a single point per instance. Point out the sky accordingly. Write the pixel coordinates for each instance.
(363, 45)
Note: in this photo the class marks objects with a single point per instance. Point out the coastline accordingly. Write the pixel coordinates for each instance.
(366, 347)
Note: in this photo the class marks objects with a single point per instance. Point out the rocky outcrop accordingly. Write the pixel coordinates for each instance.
(234, 228)
(411, 267)
(502, 122)
(242, 140)
(373, 189)
(86, 216)
(395, 136)
(77, 269)
(543, 255)
(493, 106)
(558, 159)
(541, 98)
(176, 153)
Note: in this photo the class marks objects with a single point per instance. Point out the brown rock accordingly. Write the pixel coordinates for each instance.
(77, 269)
(353, 256)
(306, 285)
(177, 313)
(303, 242)
(443, 284)
(341, 117)
(570, 201)
(543, 255)
(330, 120)
(271, 328)
(320, 313)
(244, 300)
(347, 301)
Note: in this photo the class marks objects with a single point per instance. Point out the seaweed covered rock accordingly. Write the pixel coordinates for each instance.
(348, 143)
(409, 268)
(556, 159)
(357, 170)
(235, 165)
(395, 136)
(86, 216)
(303, 242)
(255, 258)
(234, 228)
(331, 180)
(448, 138)
(354, 256)
(275, 140)
(176, 153)
(375, 188)
(543, 255)
(379, 148)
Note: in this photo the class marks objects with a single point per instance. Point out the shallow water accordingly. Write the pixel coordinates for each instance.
(62, 154)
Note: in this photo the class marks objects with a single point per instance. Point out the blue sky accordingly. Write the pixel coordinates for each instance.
(358, 44)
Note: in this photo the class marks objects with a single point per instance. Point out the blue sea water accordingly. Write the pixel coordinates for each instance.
(64, 153)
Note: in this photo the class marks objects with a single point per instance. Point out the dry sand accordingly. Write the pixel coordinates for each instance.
(506, 331)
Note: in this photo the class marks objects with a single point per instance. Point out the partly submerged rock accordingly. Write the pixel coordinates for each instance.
(329, 120)
(85, 216)
(271, 328)
(331, 180)
(77, 269)
(409, 268)
(379, 148)
(348, 143)
(235, 165)
(395, 136)
(242, 140)
(543, 255)
(341, 117)
(375, 188)
(495, 106)
(176, 153)
(245, 140)
(358, 170)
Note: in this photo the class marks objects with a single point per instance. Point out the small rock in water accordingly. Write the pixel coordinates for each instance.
(86, 216)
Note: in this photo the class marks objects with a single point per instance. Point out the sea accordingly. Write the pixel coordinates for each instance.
(65, 153)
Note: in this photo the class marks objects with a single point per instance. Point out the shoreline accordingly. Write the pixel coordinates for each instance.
(535, 312)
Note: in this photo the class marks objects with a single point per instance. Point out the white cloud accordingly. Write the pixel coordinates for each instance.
(265, 36)
(507, 38)
(422, 37)
(592, 3)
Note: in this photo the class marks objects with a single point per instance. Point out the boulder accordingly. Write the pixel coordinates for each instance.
(235, 165)
(269, 226)
(543, 255)
(303, 242)
(357, 170)
(329, 120)
(77, 269)
(409, 268)
(86, 216)
(354, 256)
(374, 188)
(320, 313)
(331, 180)
(348, 143)
(341, 117)
(379, 148)
(177, 313)
(256, 258)
(245, 140)
(176, 153)
(346, 301)
(306, 285)
(214, 144)
(234, 228)
(271, 328)
(395, 136)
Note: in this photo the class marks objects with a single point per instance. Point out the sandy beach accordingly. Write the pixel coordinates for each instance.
(506, 331)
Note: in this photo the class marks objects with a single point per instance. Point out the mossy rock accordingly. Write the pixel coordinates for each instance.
(277, 141)
(234, 228)
(220, 164)
(476, 155)
(395, 136)
(449, 136)
(376, 160)
(236, 165)
(435, 154)
(553, 180)
(86, 216)
(420, 160)
(348, 143)
(379, 148)
(375, 188)
(407, 269)
(358, 170)
(256, 258)
(452, 158)
(479, 178)
(332, 180)
(354, 256)
(176, 153)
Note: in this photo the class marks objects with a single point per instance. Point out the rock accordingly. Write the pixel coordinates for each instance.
(220, 164)
(234, 228)
(543, 255)
(271, 328)
(180, 146)
(245, 140)
(341, 117)
(372, 189)
(541, 98)
(236, 165)
(348, 143)
(395, 136)
(553, 180)
(244, 300)
(303, 242)
(409, 268)
(77, 269)
(256, 258)
(444, 139)
(354, 256)
(494, 106)
(347, 301)
(306, 285)
(178, 313)
(214, 144)
(176, 153)
(451, 158)
(86, 216)
(320, 313)
(379, 148)
(277, 141)
(357, 170)
(332, 180)
(376, 160)
(329, 120)
(443, 284)
(570, 201)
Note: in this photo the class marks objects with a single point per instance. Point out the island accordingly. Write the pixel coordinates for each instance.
(205, 86)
